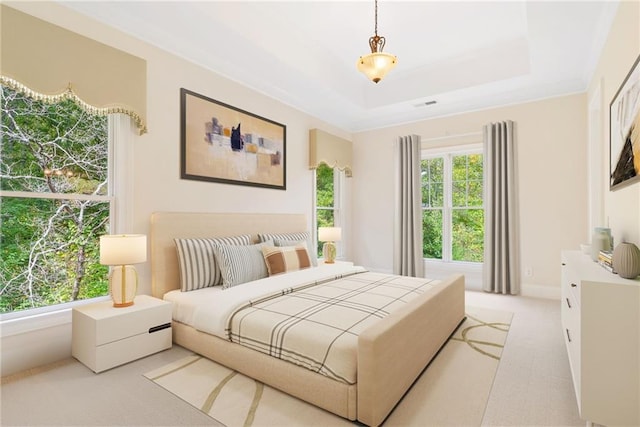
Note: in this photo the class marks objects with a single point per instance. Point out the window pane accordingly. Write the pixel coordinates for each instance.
(432, 233)
(324, 186)
(475, 193)
(459, 168)
(459, 193)
(437, 195)
(50, 252)
(467, 235)
(432, 179)
(475, 167)
(52, 148)
(467, 180)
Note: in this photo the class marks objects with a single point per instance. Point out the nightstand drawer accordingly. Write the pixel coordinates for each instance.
(131, 324)
(129, 349)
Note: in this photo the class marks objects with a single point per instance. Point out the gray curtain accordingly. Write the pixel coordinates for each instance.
(501, 254)
(407, 248)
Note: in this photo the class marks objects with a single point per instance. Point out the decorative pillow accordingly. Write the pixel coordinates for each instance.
(241, 264)
(292, 238)
(286, 258)
(198, 267)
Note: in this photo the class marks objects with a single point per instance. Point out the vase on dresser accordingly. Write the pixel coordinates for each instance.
(626, 260)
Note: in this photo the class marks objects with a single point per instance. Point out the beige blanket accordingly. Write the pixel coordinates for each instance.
(316, 325)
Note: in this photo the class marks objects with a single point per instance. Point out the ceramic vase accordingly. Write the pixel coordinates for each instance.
(626, 260)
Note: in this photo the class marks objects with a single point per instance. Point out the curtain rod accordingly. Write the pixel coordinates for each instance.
(458, 135)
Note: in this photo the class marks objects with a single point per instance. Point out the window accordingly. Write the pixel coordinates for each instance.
(452, 205)
(55, 202)
(328, 201)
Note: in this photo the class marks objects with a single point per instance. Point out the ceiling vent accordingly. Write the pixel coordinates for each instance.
(424, 104)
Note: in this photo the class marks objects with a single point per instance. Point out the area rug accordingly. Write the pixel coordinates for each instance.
(453, 390)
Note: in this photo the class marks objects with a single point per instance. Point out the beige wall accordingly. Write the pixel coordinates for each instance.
(552, 159)
(621, 207)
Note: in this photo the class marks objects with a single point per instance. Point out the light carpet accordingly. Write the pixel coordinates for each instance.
(453, 390)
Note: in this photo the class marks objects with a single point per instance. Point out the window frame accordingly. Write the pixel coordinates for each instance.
(119, 195)
(447, 153)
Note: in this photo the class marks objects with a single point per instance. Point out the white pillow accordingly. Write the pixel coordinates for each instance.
(197, 263)
(241, 264)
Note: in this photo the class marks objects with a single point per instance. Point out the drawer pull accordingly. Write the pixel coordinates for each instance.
(568, 302)
(568, 335)
(573, 285)
(159, 327)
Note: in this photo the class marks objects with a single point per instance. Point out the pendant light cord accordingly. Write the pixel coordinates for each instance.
(376, 18)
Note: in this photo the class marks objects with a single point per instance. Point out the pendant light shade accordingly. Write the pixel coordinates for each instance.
(376, 64)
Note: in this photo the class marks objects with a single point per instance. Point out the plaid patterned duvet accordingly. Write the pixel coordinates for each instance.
(316, 325)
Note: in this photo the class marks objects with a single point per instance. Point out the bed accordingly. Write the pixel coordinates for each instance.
(384, 374)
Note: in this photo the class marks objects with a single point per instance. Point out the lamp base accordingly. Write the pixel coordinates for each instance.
(123, 285)
(329, 252)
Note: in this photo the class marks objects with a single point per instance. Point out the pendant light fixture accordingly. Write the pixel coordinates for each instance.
(376, 64)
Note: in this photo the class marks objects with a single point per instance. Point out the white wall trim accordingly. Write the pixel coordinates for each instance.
(38, 322)
(540, 291)
(38, 319)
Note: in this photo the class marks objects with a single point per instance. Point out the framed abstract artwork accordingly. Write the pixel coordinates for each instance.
(222, 143)
(624, 131)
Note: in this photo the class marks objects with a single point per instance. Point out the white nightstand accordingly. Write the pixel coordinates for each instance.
(105, 336)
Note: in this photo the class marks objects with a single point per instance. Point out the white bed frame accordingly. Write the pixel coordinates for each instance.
(391, 354)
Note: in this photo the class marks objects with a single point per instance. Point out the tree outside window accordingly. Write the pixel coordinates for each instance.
(452, 204)
(54, 204)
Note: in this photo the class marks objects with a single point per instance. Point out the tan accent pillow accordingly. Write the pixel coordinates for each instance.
(285, 258)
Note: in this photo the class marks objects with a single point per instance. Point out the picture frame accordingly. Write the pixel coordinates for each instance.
(225, 144)
(624, 131)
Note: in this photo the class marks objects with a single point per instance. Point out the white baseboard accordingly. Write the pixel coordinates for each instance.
(539, 291)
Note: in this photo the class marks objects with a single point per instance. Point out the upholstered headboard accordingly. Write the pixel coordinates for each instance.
(166, 226)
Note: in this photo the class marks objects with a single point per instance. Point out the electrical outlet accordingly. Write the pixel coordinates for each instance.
(528, 271)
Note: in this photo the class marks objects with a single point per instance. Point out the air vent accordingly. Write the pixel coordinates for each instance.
(424, 104)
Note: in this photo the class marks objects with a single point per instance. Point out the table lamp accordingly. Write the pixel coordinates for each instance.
(120, 251)
(329, 235)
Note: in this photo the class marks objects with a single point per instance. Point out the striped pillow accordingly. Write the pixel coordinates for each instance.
(241, 264)
(284, 259)
(198, 267)
(284, 239)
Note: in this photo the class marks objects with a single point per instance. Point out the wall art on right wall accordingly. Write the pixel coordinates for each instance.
(624, 131)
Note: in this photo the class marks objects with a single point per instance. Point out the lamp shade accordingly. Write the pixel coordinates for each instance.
(123, 249)
(329, 234)
(376, 65)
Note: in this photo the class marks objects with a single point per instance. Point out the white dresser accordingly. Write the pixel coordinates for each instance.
(601, 322)
(105, 336)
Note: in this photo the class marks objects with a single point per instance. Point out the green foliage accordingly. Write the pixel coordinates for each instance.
(432, 233)
(467, 235)
(50, 248)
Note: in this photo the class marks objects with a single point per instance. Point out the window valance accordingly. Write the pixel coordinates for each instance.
(51, 62)
(329, 149)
